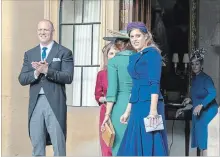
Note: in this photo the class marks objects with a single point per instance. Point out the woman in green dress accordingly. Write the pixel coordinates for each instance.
(119, 86)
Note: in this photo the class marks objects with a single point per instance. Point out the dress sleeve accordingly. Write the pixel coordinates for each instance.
(98, 87)
(210, 88)
(154, 66)
(112, 82)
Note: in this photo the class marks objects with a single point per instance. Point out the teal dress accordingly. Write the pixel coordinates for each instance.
(119, 90)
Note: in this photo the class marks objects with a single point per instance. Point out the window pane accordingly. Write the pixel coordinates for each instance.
(76, 87)
(67, 11)
(67, 36)
(78, 11)
(82, 42)
(89, 81)
(96, 40)
(72, 11)
(92, 11)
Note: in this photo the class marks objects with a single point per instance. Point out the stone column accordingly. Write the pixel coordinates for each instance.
(207, 25)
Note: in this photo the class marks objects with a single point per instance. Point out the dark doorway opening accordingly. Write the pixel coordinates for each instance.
(170, 25)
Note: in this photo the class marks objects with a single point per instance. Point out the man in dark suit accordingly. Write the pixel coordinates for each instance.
(47, 68)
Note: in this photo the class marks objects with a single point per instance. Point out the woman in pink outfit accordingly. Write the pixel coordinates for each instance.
(100, 92)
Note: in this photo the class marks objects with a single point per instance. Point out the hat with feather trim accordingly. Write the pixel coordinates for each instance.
(122, 34)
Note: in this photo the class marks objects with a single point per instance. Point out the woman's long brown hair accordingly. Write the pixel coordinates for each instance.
(105, 52)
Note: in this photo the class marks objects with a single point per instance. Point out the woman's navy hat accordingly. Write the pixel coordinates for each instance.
(136, 25)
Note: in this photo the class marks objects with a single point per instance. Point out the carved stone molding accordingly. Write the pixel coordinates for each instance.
(193, 37)
(47, 9)
(193, 24)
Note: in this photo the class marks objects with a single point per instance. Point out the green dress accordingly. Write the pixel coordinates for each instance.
(119, 90)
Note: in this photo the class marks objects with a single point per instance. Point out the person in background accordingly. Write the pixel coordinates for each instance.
(146, 99)
(204, 105)
(109, 52)
(119, 85)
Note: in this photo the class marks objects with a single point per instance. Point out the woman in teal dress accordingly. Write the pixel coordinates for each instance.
(204, 105)
(146, 99)
(119, 86)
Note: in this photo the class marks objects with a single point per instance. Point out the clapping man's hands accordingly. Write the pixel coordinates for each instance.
(40, 67)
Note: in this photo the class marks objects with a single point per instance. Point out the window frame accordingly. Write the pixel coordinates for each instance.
(60, 41)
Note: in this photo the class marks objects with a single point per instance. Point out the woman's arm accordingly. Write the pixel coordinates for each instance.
(154, 73)
(98, 88)
(109, 107)
(154, 101)
(128, 109)
(210, 88)
(124, 117)
(112, 90)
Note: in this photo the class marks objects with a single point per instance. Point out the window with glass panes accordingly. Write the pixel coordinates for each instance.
(79, 31)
